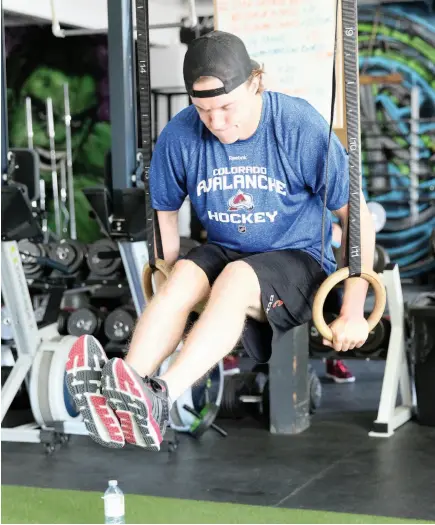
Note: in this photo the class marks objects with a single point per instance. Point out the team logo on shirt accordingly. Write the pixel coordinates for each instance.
(241, 201)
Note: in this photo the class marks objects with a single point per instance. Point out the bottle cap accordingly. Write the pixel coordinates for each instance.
(113, 483)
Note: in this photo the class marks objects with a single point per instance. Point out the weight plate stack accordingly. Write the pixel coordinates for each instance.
(70, 253)
(119, 324)
(104, 259)
(28, 251)
(86, 321)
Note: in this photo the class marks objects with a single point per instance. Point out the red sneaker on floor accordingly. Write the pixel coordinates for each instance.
(231, 364)
(338, 371)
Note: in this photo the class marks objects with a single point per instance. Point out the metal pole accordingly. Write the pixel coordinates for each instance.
(70, 183)
(54, 177)
(122, 97)
(4, 109)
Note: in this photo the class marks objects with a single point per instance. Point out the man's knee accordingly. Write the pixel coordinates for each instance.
(186, 286)
(239, 281)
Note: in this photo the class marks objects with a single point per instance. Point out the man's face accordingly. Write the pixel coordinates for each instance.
(226, 116)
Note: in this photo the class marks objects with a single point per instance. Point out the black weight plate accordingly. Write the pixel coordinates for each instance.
(28, 251)
(100, 266)
(315, 387)
(315, 339)
(381, 259)
(68, 252)
(206, 390)
(62, 322)
(83, 322)
(119, 325)
(208, 415)
(373, 342)
(231, 406)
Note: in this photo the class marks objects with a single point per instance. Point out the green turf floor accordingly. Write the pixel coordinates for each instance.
(35, 505)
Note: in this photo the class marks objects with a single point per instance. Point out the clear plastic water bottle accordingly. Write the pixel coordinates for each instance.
(114, 505)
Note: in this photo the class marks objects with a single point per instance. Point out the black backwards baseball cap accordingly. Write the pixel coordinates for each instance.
(220, 55)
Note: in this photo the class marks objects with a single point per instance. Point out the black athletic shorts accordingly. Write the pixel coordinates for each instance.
(288, 280)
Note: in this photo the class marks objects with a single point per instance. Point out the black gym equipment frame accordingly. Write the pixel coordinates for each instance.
(4, 110)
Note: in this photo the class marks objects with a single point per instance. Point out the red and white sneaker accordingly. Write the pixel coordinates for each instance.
(141, 405)
(83, 375)
(338, 371)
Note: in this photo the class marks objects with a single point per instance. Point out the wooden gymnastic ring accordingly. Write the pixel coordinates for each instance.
(165, 269)
(341, 275)
(147, 284)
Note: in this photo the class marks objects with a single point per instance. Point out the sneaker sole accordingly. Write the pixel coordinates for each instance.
(127, 396)
(341, 380)
(85, 363)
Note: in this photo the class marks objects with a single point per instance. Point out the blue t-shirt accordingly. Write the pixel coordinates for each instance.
(260, 194)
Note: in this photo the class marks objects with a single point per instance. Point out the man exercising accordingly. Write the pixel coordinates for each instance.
(253, 164)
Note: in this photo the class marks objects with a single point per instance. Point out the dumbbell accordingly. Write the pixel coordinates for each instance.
(86, 321)
(119, 324)
(247, 394)
(31, 254)
(104, 259)
(241, 392)
(71, 254)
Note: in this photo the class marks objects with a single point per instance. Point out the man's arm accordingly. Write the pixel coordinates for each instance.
(168, 223)
(355, 289)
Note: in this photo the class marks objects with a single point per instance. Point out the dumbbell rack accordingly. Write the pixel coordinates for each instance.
(99, 280)
(42, 355)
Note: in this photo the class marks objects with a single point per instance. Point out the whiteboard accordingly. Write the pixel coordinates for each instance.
(294, 41)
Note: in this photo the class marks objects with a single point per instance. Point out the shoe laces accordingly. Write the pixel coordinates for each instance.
(342, 367)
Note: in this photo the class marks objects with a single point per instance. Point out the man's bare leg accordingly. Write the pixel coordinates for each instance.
(235, 294)
(161, 326)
